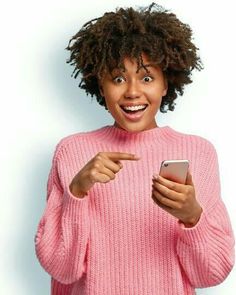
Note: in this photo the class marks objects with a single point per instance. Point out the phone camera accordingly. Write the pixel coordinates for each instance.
(165, 165)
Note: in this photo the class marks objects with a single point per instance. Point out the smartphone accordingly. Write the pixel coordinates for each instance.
(175, 170)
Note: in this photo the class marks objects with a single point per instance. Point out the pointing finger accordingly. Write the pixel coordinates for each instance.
(116, 156)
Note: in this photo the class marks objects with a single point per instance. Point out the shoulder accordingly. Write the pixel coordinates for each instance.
(196, 141)
(73, 140)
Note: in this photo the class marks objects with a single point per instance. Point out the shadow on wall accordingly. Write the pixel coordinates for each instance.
(79, 110)
(32, 278)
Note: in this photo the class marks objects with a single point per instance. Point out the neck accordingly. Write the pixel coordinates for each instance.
(136, 128)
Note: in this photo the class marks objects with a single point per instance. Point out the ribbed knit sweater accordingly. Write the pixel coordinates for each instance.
(116, 240)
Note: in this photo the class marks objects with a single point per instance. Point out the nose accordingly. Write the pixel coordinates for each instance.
(132, 90)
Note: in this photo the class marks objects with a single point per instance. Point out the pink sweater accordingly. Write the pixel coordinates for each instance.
(117, 241)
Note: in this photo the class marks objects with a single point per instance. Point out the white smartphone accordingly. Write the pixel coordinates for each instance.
(175, 170)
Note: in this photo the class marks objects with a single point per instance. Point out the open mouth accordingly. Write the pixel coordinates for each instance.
(134, 113)
(134, 110)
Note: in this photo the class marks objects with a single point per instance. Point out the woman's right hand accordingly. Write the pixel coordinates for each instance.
(102, 168)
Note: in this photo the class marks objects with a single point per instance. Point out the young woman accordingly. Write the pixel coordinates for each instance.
(111, 224)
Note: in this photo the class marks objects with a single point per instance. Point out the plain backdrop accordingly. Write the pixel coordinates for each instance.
(41, 103)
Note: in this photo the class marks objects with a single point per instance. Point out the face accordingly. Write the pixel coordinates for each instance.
(133, 98)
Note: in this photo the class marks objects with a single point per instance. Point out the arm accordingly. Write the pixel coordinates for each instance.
(63, 232)
(206, 251)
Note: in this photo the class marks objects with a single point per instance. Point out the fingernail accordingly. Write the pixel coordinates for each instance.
(136, 157)
(155, 176)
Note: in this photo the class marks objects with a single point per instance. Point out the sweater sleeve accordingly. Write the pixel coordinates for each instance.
(206, 251)
(62, 236)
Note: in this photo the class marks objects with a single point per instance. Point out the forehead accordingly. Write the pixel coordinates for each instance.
(129, 63)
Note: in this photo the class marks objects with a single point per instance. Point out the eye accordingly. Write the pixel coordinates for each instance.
(147, 79)
(118, 79)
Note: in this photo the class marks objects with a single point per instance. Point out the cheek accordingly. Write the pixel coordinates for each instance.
(110, 101)
(111, 95)
(158, 103)
(155, 95)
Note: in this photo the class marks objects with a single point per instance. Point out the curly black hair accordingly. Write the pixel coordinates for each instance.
(102, 44)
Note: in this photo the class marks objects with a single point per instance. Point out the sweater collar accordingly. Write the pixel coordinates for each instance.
(115, 135)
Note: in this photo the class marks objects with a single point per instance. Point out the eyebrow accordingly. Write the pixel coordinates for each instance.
(144, 66)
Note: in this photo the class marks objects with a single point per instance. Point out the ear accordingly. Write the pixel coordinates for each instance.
(101, 90)
(100, 87)
(165, 88)
(164, 91)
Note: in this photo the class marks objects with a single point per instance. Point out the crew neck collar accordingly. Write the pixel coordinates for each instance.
(116, 135)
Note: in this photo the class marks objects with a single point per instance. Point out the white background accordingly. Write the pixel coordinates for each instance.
(41, 103)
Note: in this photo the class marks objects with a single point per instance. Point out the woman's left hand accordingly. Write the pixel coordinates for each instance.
(177, 199)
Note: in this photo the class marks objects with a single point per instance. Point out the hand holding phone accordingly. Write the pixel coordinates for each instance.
(178, 200)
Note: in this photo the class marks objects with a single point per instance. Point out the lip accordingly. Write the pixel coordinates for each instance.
(133, 104)
(134, 117)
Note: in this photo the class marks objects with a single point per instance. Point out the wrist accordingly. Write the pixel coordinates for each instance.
(191, 222)
(76, 192)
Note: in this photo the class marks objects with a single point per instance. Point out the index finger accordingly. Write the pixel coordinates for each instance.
(178, 187)
(116, 156)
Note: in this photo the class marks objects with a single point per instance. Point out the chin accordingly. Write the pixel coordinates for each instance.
(133, 127)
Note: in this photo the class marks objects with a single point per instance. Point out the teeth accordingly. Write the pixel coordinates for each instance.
(134, 108)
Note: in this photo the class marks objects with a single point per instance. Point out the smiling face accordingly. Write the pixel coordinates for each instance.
(134, 97)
